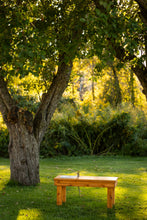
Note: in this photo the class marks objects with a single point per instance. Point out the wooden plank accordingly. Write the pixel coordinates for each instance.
(83, 178)
(86, 181)
(85, 184)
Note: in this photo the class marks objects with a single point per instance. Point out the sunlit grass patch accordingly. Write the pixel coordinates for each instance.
(39, 202)
(4, 176)
(31, 214)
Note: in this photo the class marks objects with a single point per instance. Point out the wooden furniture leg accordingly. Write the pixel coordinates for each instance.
(110, 197)
(59, 195)
(64, 193)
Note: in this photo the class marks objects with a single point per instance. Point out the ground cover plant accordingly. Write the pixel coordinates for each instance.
(39, 202)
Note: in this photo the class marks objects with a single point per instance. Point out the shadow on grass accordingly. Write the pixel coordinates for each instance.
(39, 203)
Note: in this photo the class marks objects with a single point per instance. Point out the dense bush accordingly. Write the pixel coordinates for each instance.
(76, 137)
(4, 140)
(101, 131)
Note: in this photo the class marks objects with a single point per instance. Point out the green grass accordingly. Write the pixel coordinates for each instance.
(39, 202)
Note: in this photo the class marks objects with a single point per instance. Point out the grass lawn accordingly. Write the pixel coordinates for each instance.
(39, 202)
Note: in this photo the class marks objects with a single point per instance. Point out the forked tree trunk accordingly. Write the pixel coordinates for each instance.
(26, 133)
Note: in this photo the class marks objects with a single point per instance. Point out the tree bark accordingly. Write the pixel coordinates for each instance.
(24, 155)
(23, 147)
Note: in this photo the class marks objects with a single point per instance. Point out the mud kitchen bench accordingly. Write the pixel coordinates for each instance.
(85, 181)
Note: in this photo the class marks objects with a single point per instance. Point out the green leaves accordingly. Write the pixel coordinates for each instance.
(32, 36)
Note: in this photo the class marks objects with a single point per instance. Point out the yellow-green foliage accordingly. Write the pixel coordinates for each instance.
(84, 75)
(82, 128)
(89, 112)
(2, 124)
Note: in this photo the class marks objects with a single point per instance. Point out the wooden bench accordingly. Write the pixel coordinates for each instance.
(85, 181)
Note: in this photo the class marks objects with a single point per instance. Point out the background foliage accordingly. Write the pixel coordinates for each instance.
(87, 120)
(108, 130)
(79, 132)
(103, 109)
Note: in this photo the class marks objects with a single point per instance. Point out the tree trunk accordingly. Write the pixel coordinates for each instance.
(81, 80)
(132, 88)
(93, 91)
(23, 148)
(118, 96)
(92, 66)
(24, 156)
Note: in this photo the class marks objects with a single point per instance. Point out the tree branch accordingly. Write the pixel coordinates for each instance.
(5, 95)
(141, 73)
(143, 7)
(3, 110)
(50, 100)
(140, 70)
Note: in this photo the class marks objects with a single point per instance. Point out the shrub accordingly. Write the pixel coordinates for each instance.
(4, 141)
(136, 148)
(120, 133)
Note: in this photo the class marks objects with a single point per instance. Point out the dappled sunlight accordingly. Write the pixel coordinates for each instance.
(130, 195)
(142, 169)
(39, 203)
(31, 214)
(3, 167)
(4, 172)
(130, 188)
(4, 176)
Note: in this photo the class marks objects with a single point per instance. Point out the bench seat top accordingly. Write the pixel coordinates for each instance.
(100, 181)
(83, 178)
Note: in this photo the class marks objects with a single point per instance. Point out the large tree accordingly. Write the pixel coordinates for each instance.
(37, 37)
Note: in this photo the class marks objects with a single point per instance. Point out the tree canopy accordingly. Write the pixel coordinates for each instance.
(35, 34)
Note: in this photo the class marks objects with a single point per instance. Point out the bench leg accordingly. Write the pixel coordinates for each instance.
(64, 193)
(110, 197)
(59, 195)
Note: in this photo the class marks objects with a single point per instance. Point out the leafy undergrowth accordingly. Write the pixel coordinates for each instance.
(39, 202)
